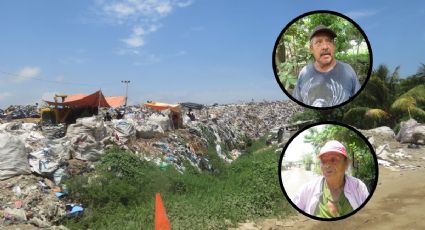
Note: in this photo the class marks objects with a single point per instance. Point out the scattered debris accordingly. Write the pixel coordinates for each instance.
(411, 132)
(391, 154)
(53, 154)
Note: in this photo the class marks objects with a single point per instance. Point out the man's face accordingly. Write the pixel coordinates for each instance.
(333, 165)
(322, 47)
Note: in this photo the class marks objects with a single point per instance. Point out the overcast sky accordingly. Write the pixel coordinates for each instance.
(297, 148)
(176, 50)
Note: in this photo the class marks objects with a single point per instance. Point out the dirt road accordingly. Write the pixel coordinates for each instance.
(397, 203)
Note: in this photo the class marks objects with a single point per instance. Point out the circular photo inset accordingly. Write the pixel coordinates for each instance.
(322, 59)
(328, 171)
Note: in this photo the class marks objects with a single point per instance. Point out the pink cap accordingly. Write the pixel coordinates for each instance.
(333, 147)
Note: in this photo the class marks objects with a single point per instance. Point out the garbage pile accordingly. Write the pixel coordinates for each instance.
(253, 119)
(19, 111)
(37, 199)
(411, 132)
(32, 200)
(401, 151)
(149, 133)
(53, 131)
(35, 159)
(226, 127)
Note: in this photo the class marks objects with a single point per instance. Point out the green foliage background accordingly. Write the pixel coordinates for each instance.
(293, 53)
(363, 164)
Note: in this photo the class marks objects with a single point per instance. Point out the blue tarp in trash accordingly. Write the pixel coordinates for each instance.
(76, 209)
(60, 194)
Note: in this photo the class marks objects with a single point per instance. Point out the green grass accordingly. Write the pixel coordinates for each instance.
(246, 189)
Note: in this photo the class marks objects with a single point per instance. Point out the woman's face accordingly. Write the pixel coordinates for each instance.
(333, 165)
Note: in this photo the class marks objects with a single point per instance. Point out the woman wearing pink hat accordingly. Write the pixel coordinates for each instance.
(334, 194)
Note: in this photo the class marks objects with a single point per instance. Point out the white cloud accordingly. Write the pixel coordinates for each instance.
(137, 37)
(4, 95)
(138, 30)
(138, 10)
(356, 14)
(164, 8)
(142, 15)
(27, 73)
(134, 41)
(120, 10)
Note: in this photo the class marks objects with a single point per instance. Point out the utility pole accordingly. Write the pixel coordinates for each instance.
(126, 90)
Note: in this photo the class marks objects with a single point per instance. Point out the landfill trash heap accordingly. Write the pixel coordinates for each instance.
(403, 151)
(19, 112)
(34, 159)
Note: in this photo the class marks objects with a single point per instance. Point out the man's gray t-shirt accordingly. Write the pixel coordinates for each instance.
(326, 89)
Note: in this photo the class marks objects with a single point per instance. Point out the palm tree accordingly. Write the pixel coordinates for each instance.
(386, 99)
(403, 104)
(376, 116)
(412, 102)
(375, 101)
(412, 98)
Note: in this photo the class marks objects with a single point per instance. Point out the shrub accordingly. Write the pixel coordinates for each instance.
(247, 188)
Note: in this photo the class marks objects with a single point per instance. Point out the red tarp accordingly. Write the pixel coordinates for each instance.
(90, 100)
